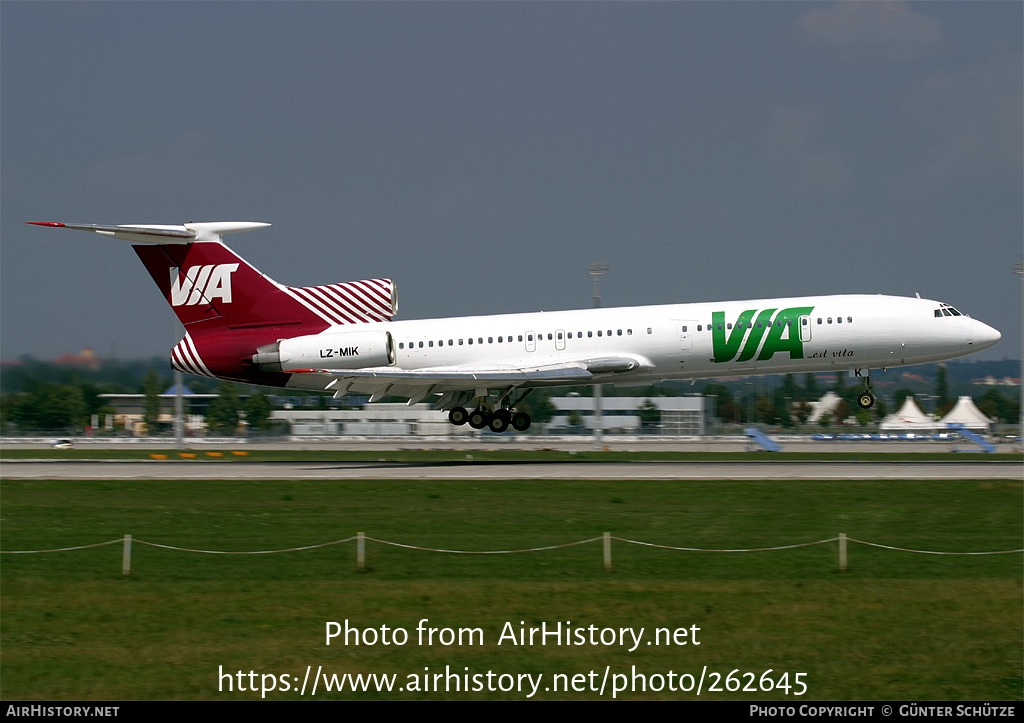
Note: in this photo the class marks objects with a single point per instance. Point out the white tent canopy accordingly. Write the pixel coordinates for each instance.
(909, 417)
(967, 414)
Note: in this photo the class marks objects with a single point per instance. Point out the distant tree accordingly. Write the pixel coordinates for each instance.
(802, 411)
(47, 407)
(538, 405)
(994, 405)
(880, 409)
(725, 407)
(764, 409)
(649, 413)
(257, 411)
(842, 411)
(151, 403)
(900, 395)
(222, 416)
(811, 391)
(789, 388)
(942, 401)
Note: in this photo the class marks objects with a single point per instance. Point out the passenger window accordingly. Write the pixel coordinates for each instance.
(590, 334)
(849, 320)
(421, 345)
(619, 332)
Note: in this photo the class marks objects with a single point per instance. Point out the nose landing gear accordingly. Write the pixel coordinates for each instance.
(865, 399)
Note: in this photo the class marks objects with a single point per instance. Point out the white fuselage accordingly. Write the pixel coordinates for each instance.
(687, 341)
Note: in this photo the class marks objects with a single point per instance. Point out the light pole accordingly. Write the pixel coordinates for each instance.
(1018, 268)
(597, 270)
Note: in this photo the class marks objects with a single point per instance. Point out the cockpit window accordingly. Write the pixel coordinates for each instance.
(946, 310)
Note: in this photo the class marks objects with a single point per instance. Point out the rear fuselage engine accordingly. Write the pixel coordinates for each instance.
(329, 350)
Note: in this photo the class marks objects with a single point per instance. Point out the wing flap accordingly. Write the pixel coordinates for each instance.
(379, 381)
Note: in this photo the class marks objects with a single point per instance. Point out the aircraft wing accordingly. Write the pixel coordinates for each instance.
(417, 384)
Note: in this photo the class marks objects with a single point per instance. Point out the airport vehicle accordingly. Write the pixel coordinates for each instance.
(241, 325)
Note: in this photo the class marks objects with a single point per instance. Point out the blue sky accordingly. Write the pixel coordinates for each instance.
(483, 154)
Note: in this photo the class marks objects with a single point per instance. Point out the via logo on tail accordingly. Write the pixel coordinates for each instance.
(207, 281)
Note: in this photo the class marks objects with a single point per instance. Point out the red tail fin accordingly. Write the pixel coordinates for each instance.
(229, 308)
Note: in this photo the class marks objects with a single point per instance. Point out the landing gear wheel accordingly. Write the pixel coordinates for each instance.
(499, 421)
(866, 400)
(479, 418)
(458, 416)
(520, 421)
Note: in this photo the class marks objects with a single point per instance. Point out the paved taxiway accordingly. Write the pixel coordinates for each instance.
(471, 470)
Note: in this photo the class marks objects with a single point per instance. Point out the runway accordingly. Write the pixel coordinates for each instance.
(472, 470)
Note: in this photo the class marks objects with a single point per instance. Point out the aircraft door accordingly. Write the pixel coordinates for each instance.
(560, 340)
(531, 341)
(685, 329)
(805, 327)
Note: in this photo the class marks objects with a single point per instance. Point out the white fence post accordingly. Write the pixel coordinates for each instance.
(607, 552)
(360, 551)
(126, 556)
(842, 552)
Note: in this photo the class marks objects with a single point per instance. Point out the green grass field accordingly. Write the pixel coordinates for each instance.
(896, 625)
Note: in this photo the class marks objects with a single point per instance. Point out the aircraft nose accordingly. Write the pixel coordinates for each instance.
(985, 336)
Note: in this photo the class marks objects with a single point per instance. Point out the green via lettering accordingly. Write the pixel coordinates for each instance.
(783, 334)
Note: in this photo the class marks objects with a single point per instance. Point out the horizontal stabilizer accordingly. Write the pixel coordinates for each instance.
(154, 234)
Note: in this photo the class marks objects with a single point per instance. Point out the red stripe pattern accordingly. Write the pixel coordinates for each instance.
(355, 302)
(185, 358)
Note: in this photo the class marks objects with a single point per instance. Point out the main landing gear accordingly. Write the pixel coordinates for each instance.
(865, 400)
(497, 421)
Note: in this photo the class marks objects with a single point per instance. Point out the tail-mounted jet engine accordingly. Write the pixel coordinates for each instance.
(337, 350)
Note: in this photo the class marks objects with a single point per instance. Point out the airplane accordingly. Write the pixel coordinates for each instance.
(242, 326)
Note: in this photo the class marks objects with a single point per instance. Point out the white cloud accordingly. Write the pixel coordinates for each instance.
(873, 29)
